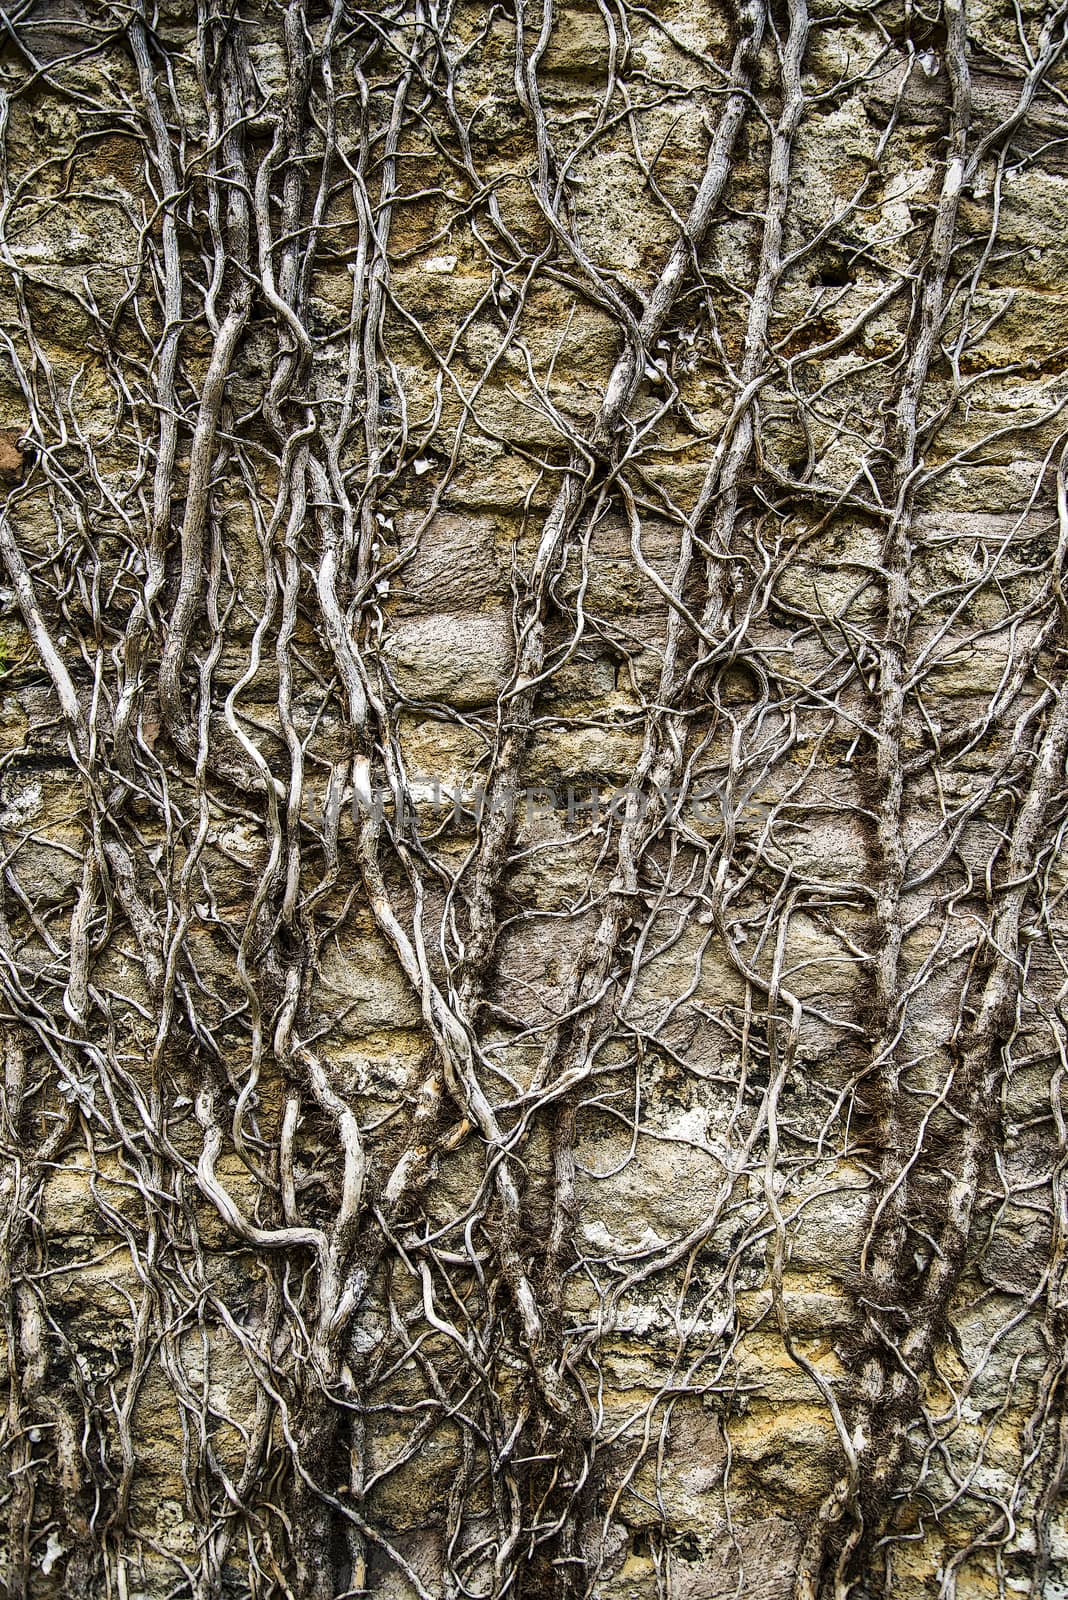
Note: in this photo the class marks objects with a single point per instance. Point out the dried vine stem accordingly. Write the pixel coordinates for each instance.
(398, 1199)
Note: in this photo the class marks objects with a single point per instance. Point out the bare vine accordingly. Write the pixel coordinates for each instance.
(556, 401)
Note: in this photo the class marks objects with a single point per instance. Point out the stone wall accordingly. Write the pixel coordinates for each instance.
(532, 939)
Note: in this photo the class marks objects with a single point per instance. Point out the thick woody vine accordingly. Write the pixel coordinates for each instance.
(242, 420)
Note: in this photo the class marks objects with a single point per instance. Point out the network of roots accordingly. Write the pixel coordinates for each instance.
(637, 425)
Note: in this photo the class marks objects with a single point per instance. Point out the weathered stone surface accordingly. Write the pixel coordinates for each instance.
(458, 657)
